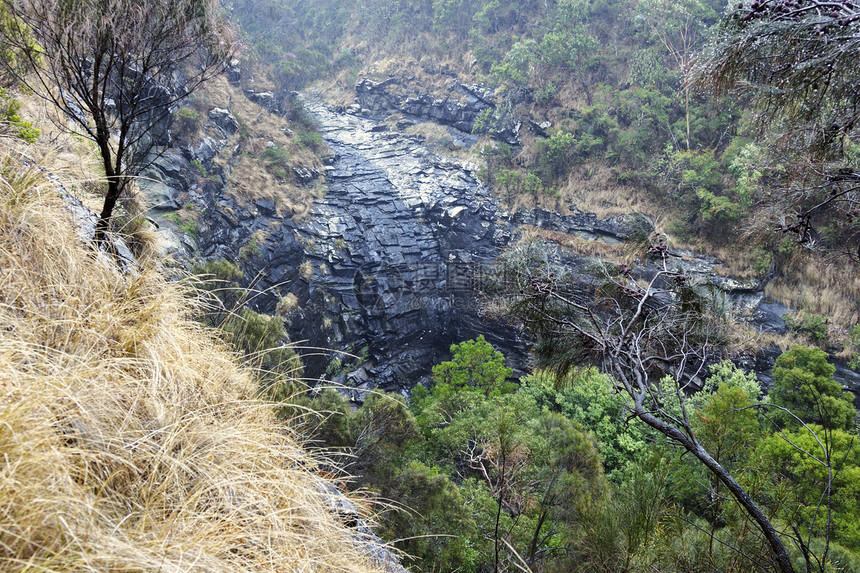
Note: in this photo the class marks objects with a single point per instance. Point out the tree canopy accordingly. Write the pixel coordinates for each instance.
(804, 384)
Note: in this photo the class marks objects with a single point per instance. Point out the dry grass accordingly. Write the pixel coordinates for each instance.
(247, 179)
(74, 159)
(597, 249)
(821, 287)
(130, 440)
(743, 338)
(593, 188)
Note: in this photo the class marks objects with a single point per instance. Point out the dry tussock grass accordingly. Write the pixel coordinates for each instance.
(821, 287)
(743, 338)
(130, 440)
(73, 158)
(593, 188)
(247, 178)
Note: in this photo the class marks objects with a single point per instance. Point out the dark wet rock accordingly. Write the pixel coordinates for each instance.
(364, 537)
(539, 128)
(265, 206)
(507, 131)
(159, 195)
(850, 379)
(205, 151)
(172, 165)
(304, 175)
(266, 100)
(459, 109)
(224, 120)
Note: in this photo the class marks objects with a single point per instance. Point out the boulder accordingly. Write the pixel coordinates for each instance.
(224, 120)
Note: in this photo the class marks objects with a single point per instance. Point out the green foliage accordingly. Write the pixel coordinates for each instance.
(804, 384)
(798, 66)
(745, 168)
(464, 457)
(475, 364)
(322, 417)
(305, 124)
(310, 139)
(695, 179)
(186, 121)
(727, 425)
(276, 160)
(764, 261)
(527, 466)
(555, 153)
(218, 269)
(586, 397)
(516, 68)
(9, 118)
(811, 325)
(799, 461)
(725, 373)
(484, 121)
(440, 531)
(184, 221)
(252, 246)
(854, 344)
(259, 338)
(620, 527)
(14, 60)
(199, 166)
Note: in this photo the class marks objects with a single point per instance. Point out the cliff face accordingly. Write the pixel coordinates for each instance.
(383, 266)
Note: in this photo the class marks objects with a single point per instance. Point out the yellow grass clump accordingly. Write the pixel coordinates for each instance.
(129, 439)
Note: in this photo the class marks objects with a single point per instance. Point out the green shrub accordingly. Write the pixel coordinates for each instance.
(186, 121)
(184, 222)
(309, 139)
(854, 344)
(21, 129)
(275, 158)
(811, 325)
(475, 364)
(804, 384)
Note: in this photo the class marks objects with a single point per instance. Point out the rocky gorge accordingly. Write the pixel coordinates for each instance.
(378, 279)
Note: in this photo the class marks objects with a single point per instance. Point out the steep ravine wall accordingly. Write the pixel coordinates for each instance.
(383, 267)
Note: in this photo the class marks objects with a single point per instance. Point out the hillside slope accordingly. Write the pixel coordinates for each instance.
(130, 440)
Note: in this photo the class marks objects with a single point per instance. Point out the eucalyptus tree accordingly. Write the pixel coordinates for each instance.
(680, 28)
(115, 68)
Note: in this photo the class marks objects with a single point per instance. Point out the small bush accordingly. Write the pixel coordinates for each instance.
(309, 139)
(21, 129)
(275, 158)
(186, 121)
(854, 342)
(811, 325)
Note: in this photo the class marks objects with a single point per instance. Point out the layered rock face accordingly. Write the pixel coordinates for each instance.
(391, 254)
(460, 108)
(378, 280)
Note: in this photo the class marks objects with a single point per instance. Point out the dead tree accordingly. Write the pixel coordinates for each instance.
(640, 328)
